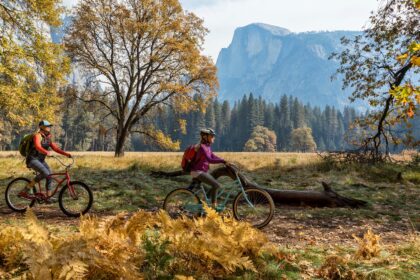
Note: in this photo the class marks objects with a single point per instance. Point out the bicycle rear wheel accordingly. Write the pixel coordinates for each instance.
(16, 203)
(255, 207)
(77, 202)
(182, 202)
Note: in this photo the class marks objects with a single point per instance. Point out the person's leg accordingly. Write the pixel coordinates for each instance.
(29, 187)
(39, 167)
(206, 178)
(48, 180)
(33, 164)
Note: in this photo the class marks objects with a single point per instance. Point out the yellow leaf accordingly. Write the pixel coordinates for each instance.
(415, 60)
(402, 57)
(410, 112)
(182, 277)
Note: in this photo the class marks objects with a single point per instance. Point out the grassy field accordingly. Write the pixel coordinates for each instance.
(313, 236)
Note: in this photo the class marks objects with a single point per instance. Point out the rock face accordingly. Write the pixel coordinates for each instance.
(270, 61)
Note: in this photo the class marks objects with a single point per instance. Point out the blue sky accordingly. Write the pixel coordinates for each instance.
(221, 17)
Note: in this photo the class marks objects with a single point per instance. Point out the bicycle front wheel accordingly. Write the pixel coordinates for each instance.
(76, 200)
(255, 207)
(182, 202)
(13, 200)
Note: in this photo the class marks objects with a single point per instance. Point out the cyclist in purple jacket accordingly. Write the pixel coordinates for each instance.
(203, 158)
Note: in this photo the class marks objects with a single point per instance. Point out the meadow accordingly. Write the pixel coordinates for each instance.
(318, 242)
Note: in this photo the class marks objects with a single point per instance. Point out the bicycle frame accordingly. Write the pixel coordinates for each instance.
(228, 190)
(59, 178)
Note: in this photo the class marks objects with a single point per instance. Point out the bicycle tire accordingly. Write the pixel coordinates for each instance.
(166, 203)
(268, 201)
(82, 211)
(9, 203)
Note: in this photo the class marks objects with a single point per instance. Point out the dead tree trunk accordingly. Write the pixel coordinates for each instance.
(324, 198)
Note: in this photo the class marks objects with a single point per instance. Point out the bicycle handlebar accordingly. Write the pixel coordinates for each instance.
(233, 167)
(63, 164)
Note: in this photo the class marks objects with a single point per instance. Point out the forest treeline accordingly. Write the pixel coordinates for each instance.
(85, 127)
(234, 124)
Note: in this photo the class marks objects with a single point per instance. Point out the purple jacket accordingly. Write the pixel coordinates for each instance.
(205, 157)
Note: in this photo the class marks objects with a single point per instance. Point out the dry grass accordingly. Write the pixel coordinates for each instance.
(164, 161)
(247, 160)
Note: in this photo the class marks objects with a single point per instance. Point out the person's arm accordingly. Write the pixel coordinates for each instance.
(210, 157)
(214, 157)
(58, 150)
(38, 146)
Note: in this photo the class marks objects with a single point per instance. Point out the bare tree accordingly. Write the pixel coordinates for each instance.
(143, 54)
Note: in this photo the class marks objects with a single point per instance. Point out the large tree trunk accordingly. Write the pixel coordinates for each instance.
(122, 133)
(325, 198)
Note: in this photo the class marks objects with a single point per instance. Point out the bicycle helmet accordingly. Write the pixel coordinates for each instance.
(207, 131)
(44, 123)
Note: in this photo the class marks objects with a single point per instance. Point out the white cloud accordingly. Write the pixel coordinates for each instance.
(221, 17)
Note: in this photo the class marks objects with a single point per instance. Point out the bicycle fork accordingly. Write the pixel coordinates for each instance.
(243, 192)
(72, 192)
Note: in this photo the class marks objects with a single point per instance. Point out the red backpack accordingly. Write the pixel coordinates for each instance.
(189, 157)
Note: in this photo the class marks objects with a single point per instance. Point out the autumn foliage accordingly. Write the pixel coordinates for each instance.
(262, 140)
(32, 68)
(144, 245)
(408, 95)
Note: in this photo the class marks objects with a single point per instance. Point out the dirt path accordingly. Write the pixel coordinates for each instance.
(296, 232)
(282, 230)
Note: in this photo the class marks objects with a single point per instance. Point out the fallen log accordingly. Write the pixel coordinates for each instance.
(325, 198)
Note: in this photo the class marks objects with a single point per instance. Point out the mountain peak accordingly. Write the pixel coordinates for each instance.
(275, 30)
(270, 61)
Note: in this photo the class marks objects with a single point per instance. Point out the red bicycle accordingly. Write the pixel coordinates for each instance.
(75, 198)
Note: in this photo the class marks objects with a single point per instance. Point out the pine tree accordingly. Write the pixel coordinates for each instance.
(210, 117)
(225, 121)
(329, 128)
(298, 114)
(269, 116)
(284, 125)
(339, 133)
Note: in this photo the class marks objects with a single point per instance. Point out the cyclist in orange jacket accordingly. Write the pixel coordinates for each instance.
(42, 142)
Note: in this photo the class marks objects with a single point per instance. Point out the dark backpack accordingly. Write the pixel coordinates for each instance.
(25, 144)
(189, 157)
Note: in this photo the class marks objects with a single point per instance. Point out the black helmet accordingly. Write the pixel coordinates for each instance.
(207, 131)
